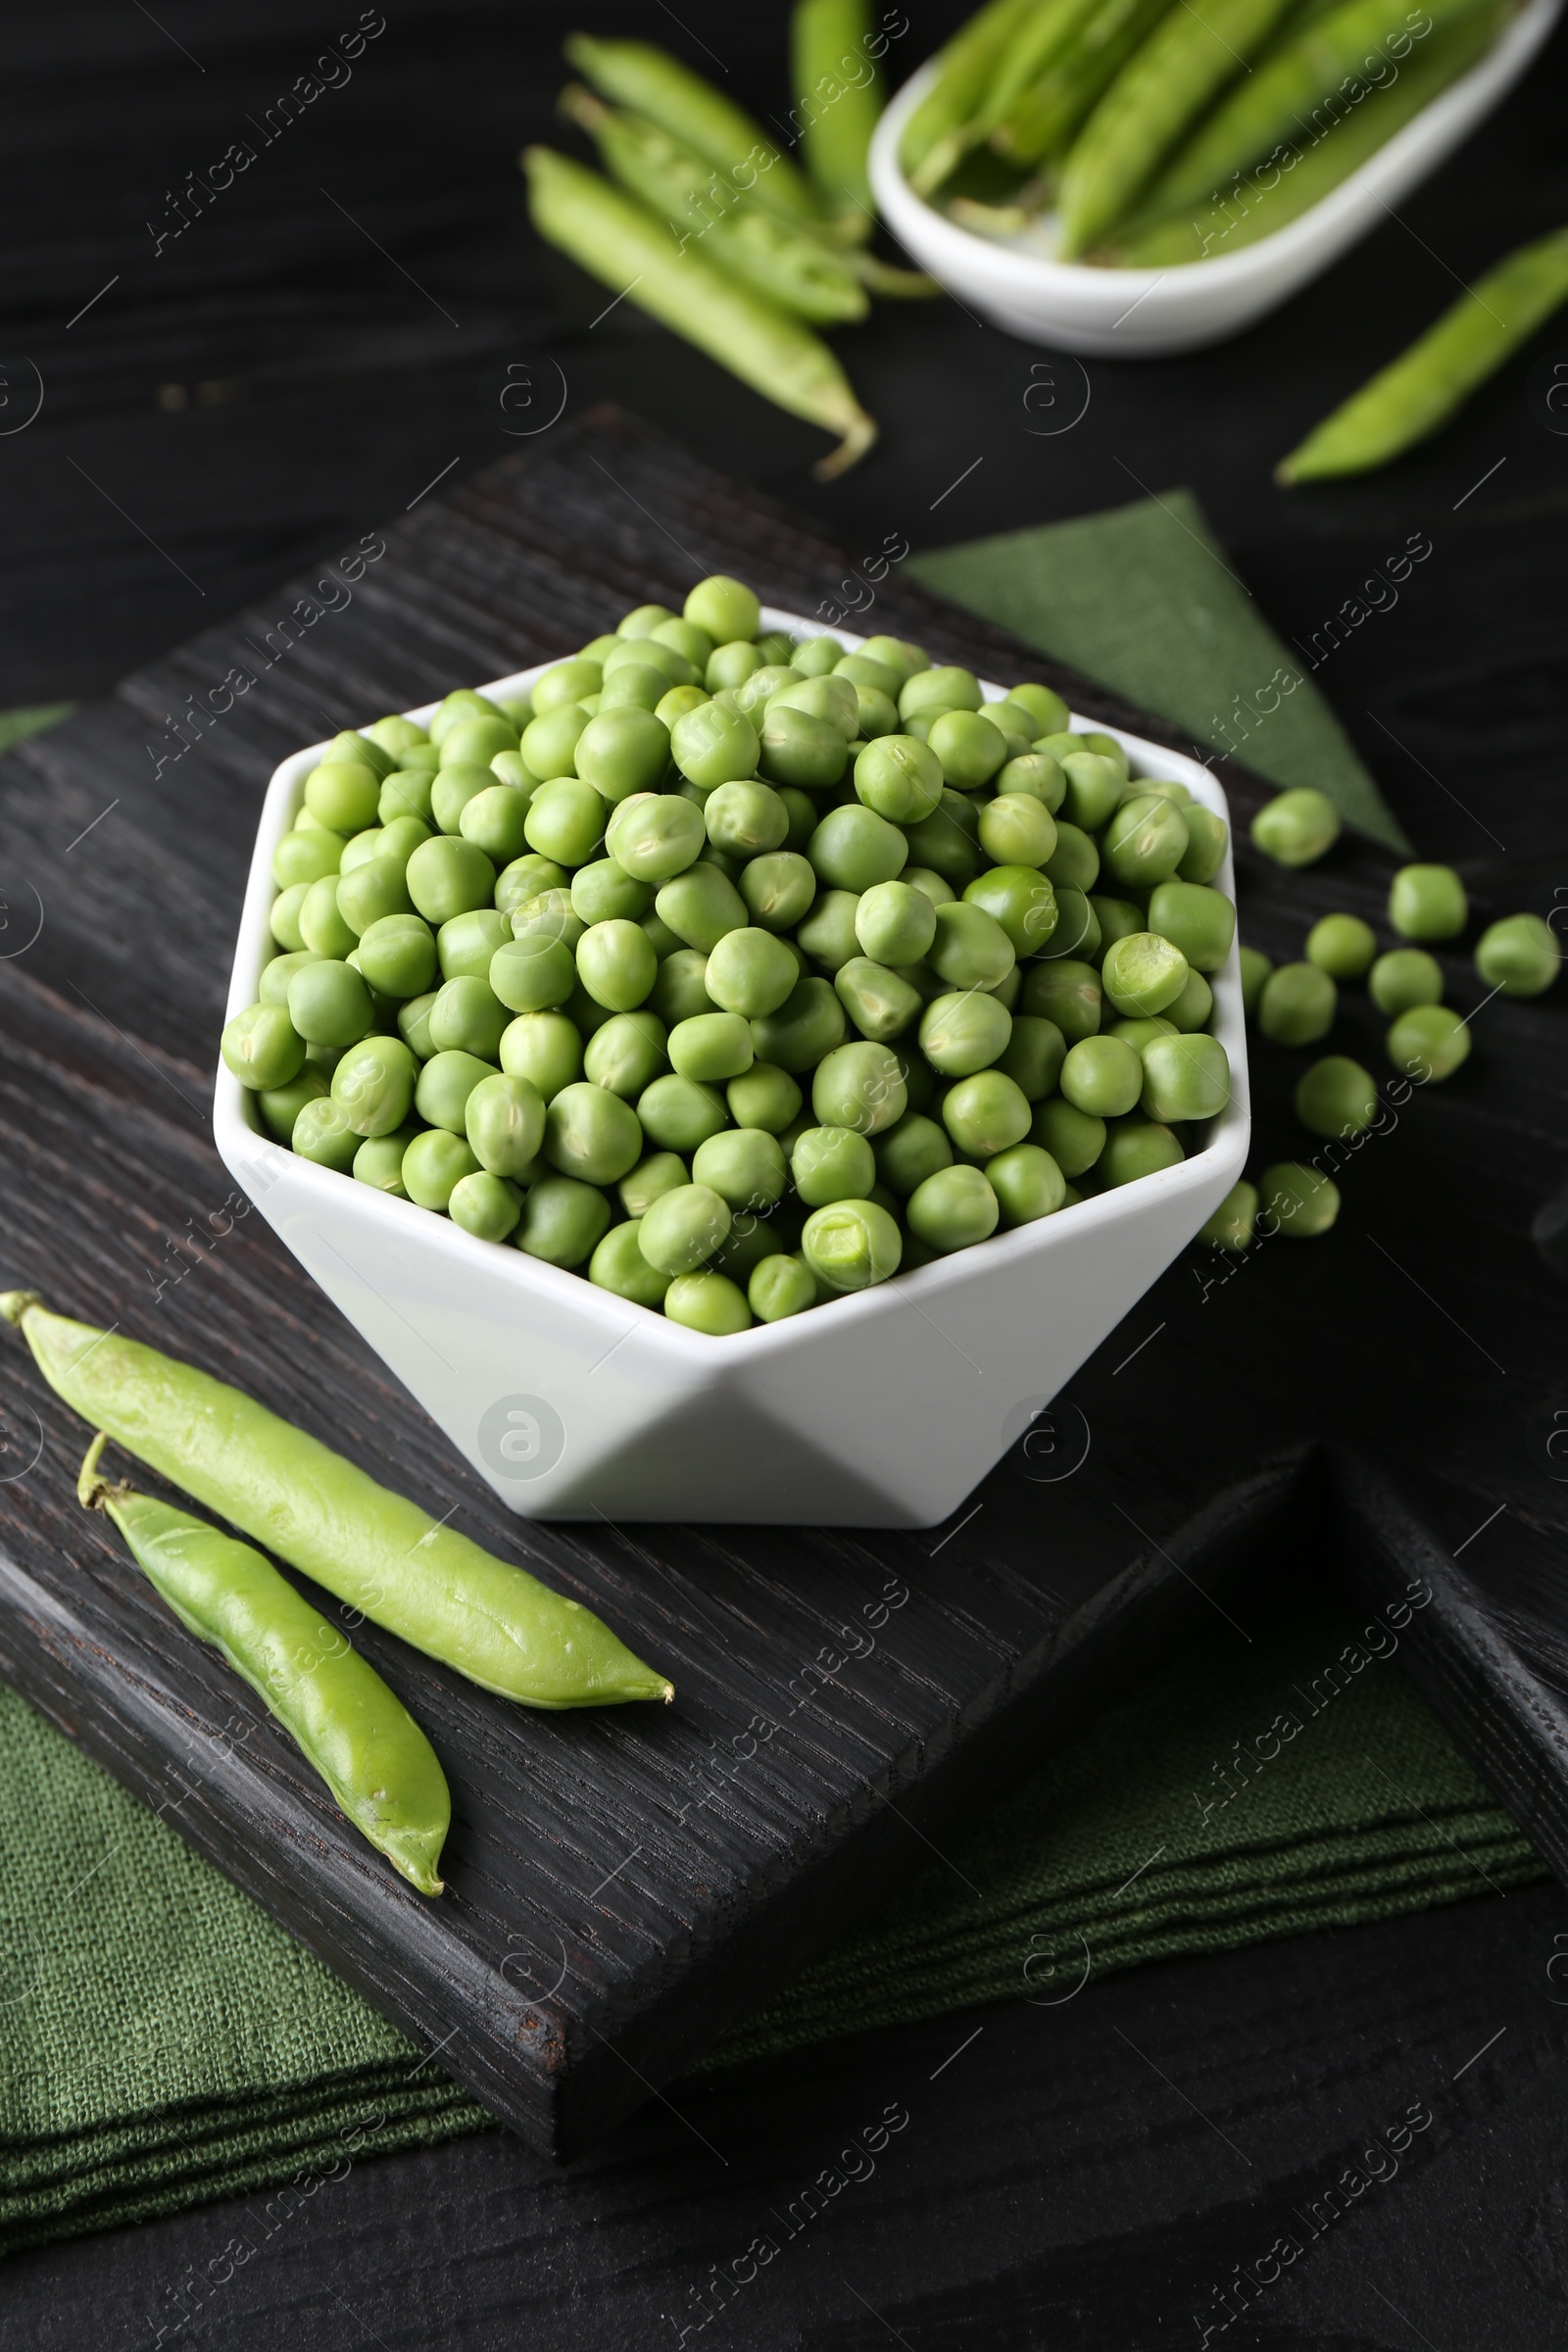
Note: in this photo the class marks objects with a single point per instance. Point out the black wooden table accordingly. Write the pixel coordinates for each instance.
(269, 385)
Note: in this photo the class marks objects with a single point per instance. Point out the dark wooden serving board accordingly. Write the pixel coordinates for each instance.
(621, 1884)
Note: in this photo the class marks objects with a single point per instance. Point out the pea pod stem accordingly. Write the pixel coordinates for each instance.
(626, 247)
(373, 1550)
(1409, 400)
(347, 1724)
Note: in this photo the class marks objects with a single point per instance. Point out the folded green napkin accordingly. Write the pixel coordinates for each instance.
(1143, 600)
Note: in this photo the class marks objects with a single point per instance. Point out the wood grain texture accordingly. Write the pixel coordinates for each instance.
(620, 1884)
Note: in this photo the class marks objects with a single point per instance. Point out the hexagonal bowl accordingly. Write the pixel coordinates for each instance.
(882, 1409)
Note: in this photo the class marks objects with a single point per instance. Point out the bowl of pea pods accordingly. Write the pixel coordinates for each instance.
(1130, 177)
(735, 1072)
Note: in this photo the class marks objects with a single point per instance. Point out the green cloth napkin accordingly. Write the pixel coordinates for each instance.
(1143, 600)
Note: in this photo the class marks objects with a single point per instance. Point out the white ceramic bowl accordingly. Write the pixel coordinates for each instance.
(878, 1410)
(1137, 313)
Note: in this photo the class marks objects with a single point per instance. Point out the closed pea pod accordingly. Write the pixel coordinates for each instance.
(356, 1733)
(371, 1548)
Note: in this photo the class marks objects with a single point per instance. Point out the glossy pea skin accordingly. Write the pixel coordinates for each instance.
(407, 793)
(563, 1220)
(465, 946)
(678, 1113)
(533, 974)
(831, 936)
(1343, 945)
(443, 1087)
(711, 1048)
(566, 820)
(1033, 1055)
(344, 795)
(970, 947)
(1077, 931)
(1185, 1078)
(779, 1287)
(604, 892)
(616, 965)
(683, 1227)
(746, 819)
(433, 1165)
(854, 849)
(306, 858)
(1036, 774)
(485, 1205)
(627, 1054)
(476, 741)
(545, 1048)
(504, 1122)
(1298, 1202)
(1102, 1076)
(633, 685)
(1144, 840)
(448, 876)
(1142, 973)
(1231, 1226)
(1206, 843)
(944, 687)
(1428, 901)
(1405, 978)
(745, 1166)
(323, 926)
(529, 877)
(1519, 955)
(564, 682)
(453, 791)
(1066, 993)
(655, 836)
(965, 1032)
(1134, 1147)
(970, 747)
(1298, 827)
(778, 888)
(1022, 901)
(1073, 857)
(617, 1264)
(621, 752)
(329, 1003)
(852, 1245)
(909, 1152)
(806, 1028)
(321, 1134)
(378, 1162)
(708, 1303)
(899, 778)
(801, 749)
(764, 1097)
(948, 841)
(467, 1017)
(284, 920)
(1255, 970)
(1074, 1138)
(262, 1047)
(751, 972)
(1337, 1097)
(281, 1105)
(549, 743)
(659, 1173)
(700, 906)
(592, 1134)
(1119, 918)
(1093, 788)
(860, 1086)
(276, 975)
(953, 1209)
(680, 991)
(1428, 1043)
(881, 1002)
(894, 923)
(495, 821)
(832, 1164)
(1297, 1004)
(414, 1025)
(985, 1114)
(1027, 1183)
(1200, 922)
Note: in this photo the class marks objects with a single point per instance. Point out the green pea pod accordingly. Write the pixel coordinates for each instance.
(1424, 387)
(628, 248)
(358, 1735)
(786, 264)
(373, 1550)
(1290, 180)
(635, 74)
(932, 139)
(838, 98)
(1301, 85)
(1156, 97)
(1043, 122)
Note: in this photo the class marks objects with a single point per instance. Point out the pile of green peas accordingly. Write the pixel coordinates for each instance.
(737, 971)
(1293, 1005)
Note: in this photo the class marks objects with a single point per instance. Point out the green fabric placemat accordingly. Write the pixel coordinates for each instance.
(161, 2042)
(1143, 600)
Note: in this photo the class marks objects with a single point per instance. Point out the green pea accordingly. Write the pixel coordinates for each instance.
(504, 1120)
(899, 779)
(545, 1048)
(549, 743)
(777, 889)
(1141, 1033)
(1136, 1148)
(699, 907)
(816, 656)
(1298, 827)
(1144, 840)
(463, 702)
(653, 836)
(1144, 973)
(852, 1245)
(1162, 787)
(495, 819)
(1185, 1078)
(747, 819)
(727, 665)
(263, 1048)
(860, 1086)
(1072, 858)
(661, 1172)
(526, 878)
(854, 849)
(944, 688)
(1027, 1183)
(1299, 1203)
(831, 1163)
(954, 1208)
(343, 793)
(987, 1113)
(882, 1003)
(378, 1162)
(1200, 922)
(830, 935)
(395, 734)
(1044, 706)
(562, 1220)
(276, 975)
(894, 923)
(1519, 955)
(711, 1047)
(801, 749)
(948, 841)
(1036, 774)
(323, 926)
(1119, 918)
(467, 1017)
(487, 1207)
(1077, 930)
(808, 1027)
(592, 1134)
(745, 1166)
(833, 700)
(548, 916)
(1232, 1223)
(475, 742)
(284, 920)
(374, 1084)
(565, 821)
(754, 693)
(724, 607)
(400, 839)
(1206, 843)
(1102, 1076)
(1066, 993)
(715, 744)
(1337, 1097)
(604, 893)
(566, 682)
(1016, 829)
(908, 1153)
(449, 876)
(329, 1003)
(682, 1227)
(1017, 724)
(617, 1264)
(1093, 788)
(1074, 1138)
(1405, 978)
(864, 669)
(780, 1287)
(407, 793)
(370, 892)
(893, 654)
(534, 974)
(970, 747)
(963, 1033)
(323, 1133)
(453, 791)
(678, 1113)
(281, 1105)
(970, 948)
(1021, 900)
(627, 1054)
(643, 620)
(444, 1084)
(708, 1303)
(465, 945)
(414, 1025)
(633, 685)
(680, 991)
(306, 857)
(750, 973)
(930, 885)
(622, 750)
(1033, 1055)
(1297, 1004)
(763, 1095)
(1428, 1043)
(1428, 901)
